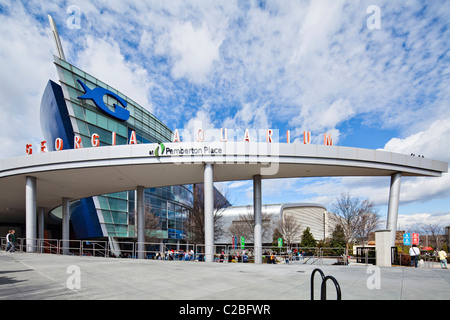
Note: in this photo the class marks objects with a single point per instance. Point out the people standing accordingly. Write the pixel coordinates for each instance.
(414, 253)
(443, 258)
(11, 239)
(272, 258)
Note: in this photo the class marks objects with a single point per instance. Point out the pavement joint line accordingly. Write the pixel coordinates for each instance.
(401, 284)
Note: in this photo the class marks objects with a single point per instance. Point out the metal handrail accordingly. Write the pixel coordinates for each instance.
(97, 246)
(104, 248)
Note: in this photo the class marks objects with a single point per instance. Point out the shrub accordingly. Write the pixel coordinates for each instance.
(405, 260)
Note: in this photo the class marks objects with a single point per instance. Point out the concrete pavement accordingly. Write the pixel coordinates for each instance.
(28, 276)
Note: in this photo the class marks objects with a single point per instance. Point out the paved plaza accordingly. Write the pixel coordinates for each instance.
(29, 276)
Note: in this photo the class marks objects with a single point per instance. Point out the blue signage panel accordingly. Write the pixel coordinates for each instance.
(407, 239)
(97, 95)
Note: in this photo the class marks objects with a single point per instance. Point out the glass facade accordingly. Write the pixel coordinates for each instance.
(87, 119)
(64, 115)
(170, 205)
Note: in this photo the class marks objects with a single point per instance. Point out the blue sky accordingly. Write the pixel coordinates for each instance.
(286, 65)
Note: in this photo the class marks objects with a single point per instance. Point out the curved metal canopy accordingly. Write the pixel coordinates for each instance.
(80, 173)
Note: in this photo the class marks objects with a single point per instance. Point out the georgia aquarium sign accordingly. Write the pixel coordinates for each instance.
(97, 94)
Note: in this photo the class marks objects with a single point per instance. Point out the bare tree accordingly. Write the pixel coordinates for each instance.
(152, 224)
(290, 228)
(195, 224)
(241, 228)
(367, 222)
(245, 226)
(435, 232)
(355, 217)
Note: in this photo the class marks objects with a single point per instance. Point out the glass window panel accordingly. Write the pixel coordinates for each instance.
(123, 195)
(78, 72)
(92, 80)
(123, 218)
(115, 216)
(73, 93)
(121, 140)
(106, 139)
(101, 132)
(163, 223)
(122, 130)
(64, 64)
(121, 231)
(107, 216)
(112, 126)
(102, 121)
(101, 84)
(82, 128)
(91, 116)
(103, 202)
(122, 204)
(86, 141)
(69, 78)
(171, 210)
(78, 111)
(131, 109)
(113, 204)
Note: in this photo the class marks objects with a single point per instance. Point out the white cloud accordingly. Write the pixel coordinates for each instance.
(321, 19)
(103, 59)
(194, 51)
(298, 65)
(26, 66)
(432, 143)
(412, 222)
(200, 122)
(239, 184)
(251, 115)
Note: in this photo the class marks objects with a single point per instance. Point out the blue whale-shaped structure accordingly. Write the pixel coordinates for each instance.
(97, 94)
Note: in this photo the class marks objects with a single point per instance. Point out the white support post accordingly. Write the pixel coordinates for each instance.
(41, 218)
(208, 191)
(65, 226)
(394, 198)
(30, 210)
(140, 212)
(257, 204)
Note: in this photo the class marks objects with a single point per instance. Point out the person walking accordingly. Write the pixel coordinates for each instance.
(414, 253)
(11, 239)
(443, 258)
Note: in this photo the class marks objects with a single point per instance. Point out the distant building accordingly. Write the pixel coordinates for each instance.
(314, 216)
